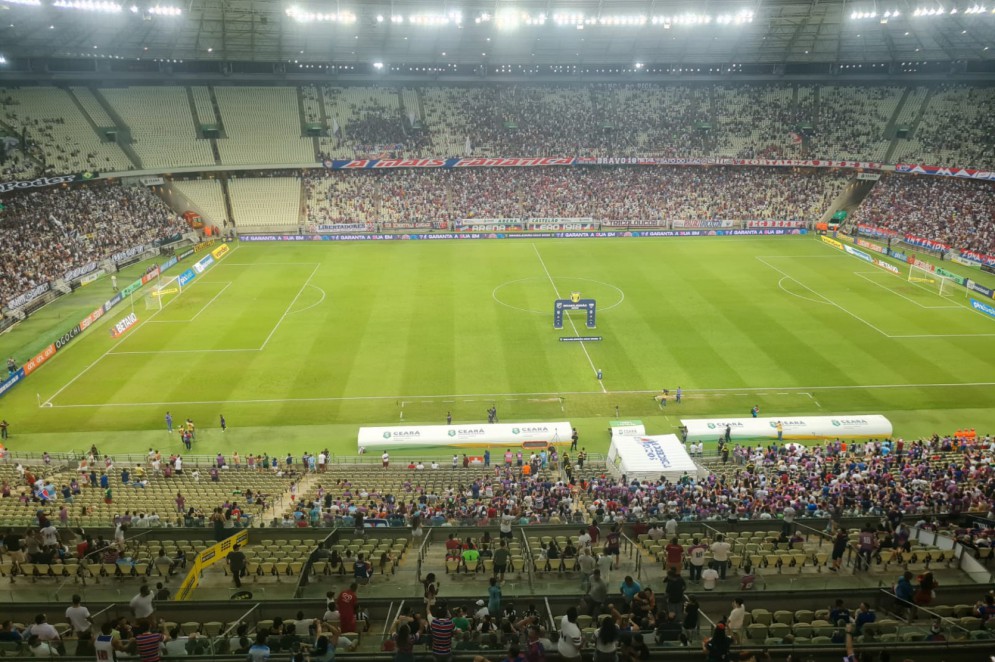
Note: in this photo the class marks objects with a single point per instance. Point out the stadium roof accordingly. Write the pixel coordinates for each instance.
(499, 32)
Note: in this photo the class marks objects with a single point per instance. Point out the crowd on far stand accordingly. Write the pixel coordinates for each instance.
(956, 212)
(48, 232)
(660, 194)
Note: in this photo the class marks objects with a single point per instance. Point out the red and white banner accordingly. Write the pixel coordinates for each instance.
(775, 224)
(963, 173)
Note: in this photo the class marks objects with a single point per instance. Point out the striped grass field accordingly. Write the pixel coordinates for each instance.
(301, 344)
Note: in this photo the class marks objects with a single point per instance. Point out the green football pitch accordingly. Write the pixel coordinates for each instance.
(300, 344)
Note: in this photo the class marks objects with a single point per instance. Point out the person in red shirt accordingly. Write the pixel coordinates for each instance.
(675, 555)
(453, 546)
(347, 603)
(594, 532)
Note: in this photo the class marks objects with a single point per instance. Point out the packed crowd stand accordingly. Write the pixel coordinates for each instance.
(662, 194)
(956, 212)
(615, 119)
(48, 232)
(891, 483)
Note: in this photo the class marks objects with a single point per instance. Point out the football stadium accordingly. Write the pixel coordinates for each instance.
(497, 331)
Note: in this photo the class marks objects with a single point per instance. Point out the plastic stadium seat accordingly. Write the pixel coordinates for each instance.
(756, 632)
(762, 617)
(806, 616)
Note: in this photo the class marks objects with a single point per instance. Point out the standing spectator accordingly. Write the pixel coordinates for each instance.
(79, 616)
(717, 647)
(348, 605)
(720, 554)
(236, 562)
(628, 589)
(736, 619)
(149, 643)
(674, 587)
(696, 558)
(142, 605)
(571, 639)
(606, 641)
(494, 598)
(442, 629)
(866, 542)
(675, 555)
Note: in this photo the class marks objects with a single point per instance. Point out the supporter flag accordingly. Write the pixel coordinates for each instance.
(796, 138)
(335, 127)
(468, 147)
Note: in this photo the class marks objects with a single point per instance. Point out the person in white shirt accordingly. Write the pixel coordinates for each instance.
(176, 646)
(42, 629)
(41, 648)
(178, 464)
(481, 610)
(584, 539)
(736, 618)
(671, 527)
(708, 577)
(720, 554)
(571, 639)
(385, 458)
(605, 562)
(142, 604)
(79, 616)
(49, 536)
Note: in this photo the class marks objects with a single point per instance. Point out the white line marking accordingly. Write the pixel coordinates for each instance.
(569, 319)
(118, 343)
(780, 284)
(896, 293)
(491, 396)
(263, 264)
(186, 351)
(316, 303)
(284, 316)
(210, 302)
(546, 312)
(853, 315)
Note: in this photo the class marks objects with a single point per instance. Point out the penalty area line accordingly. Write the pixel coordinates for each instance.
(48, 402)
(287, 311)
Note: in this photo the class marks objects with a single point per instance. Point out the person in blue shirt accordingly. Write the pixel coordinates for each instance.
(863, 617)
(494, 598)
(905, 592)
(629, 588)
(104, 481)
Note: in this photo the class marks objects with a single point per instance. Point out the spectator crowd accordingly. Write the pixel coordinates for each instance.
(45, 233)
(956, 212)
(409, 197)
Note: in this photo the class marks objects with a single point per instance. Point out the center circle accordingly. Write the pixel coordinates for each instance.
(536, 294)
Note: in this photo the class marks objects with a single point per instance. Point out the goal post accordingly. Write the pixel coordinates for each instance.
(165, 290)
(933, 282)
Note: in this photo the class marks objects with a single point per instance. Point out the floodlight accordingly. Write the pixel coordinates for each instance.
(88, 5)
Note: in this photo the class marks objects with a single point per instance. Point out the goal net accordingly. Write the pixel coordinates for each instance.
(933, 282)
(161, 294)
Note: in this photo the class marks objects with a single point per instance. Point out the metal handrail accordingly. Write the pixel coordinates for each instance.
(946, 620)
(630, 546)
(388, 622)
(529, 561)
(225, 634)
